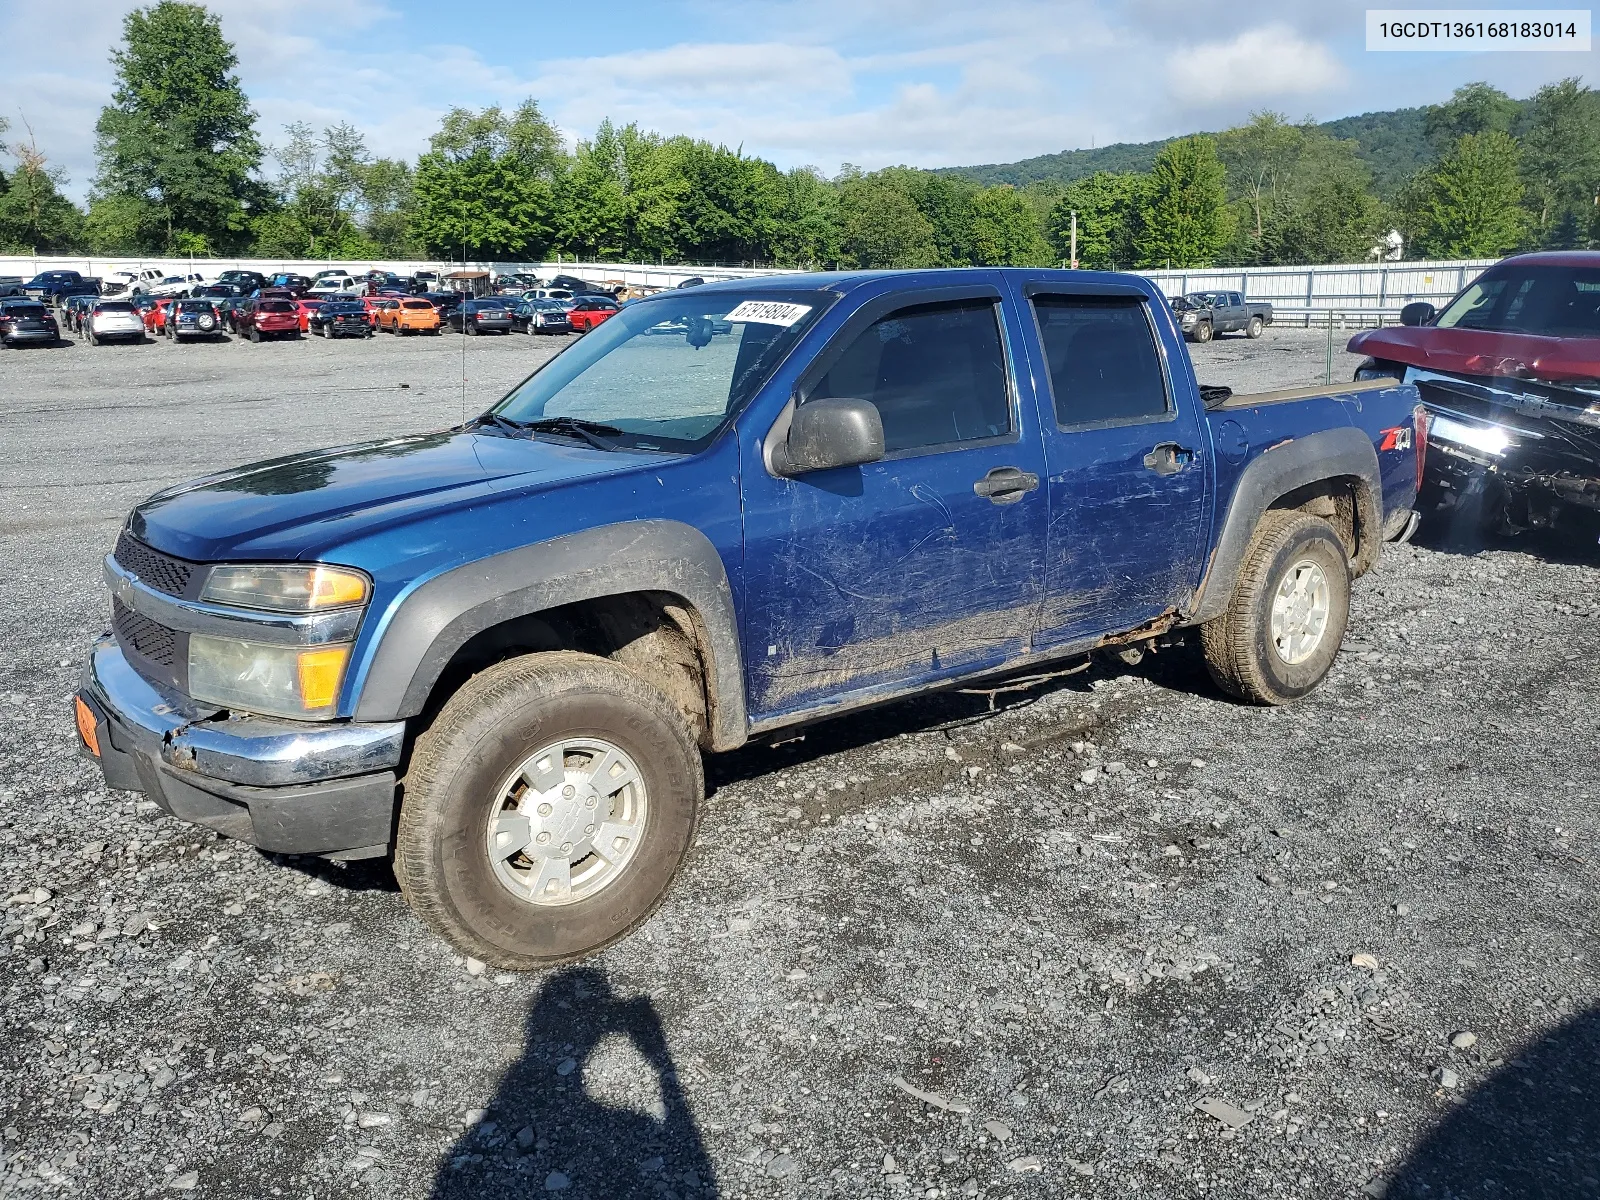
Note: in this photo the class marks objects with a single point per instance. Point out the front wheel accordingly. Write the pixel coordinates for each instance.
(255, 336)
(547, 809)
(1202, 332)
(1287, 617)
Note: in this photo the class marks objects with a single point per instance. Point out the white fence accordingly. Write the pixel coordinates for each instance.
(1351, 294)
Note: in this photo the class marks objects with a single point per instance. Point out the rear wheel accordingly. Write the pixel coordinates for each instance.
(547, 810)
(1287, 617)
(255, 336)
(1253, 329)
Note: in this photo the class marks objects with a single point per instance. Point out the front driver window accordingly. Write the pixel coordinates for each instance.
(937, 373)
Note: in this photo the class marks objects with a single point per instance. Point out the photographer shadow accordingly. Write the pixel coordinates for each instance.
(593, 1110)
(1530, 1131)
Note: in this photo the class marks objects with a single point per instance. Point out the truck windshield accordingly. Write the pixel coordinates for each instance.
(1551, 301)
(668, 373)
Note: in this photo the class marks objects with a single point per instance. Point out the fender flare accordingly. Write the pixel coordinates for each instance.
(1342, 453)
(427, 628)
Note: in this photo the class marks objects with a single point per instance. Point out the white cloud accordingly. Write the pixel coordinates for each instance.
(1258, 64)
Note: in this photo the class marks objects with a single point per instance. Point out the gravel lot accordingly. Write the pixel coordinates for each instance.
(1121, 937)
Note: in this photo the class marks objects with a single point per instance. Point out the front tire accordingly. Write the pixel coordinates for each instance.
(1287, 617)
(1202, 332)
(497, 848)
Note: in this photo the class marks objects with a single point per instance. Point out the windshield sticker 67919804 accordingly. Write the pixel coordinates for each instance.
(769, 312)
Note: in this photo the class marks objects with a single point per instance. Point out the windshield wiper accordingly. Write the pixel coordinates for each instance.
(589, 431)
(499, 422)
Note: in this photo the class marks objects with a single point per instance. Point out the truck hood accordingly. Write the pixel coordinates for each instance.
(300, 506)
(1480, 352)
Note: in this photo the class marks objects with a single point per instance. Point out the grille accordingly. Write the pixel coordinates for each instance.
(160, 571)
(138, 634)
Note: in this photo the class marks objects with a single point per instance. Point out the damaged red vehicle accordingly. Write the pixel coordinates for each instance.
(1510, 373)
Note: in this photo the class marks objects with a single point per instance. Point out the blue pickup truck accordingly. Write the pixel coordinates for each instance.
(497, 652)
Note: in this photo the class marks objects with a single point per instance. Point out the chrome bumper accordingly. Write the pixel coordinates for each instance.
(253, 751)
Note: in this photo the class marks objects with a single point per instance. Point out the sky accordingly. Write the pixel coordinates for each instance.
(819, 82)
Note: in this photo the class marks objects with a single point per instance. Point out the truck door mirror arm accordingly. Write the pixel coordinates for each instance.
(829, 433)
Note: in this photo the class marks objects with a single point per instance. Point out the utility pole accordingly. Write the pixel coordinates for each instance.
(1074, 256)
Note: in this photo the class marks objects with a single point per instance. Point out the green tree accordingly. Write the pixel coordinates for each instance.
(1185, 219)
(592, 207)
(387, 202)
(481, 207)
(881, 225)
(1108, 205)
(1472, 108)
(121, 225)
(807, 229)
(1006, 230)
(35, 218)
(320, 186)
(1469, 205)
(1561, 163)
(180, 133)
(1260, 158)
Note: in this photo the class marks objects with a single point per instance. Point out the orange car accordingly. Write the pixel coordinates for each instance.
(405, 316)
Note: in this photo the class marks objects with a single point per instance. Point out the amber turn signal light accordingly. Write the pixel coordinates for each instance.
(86, 726)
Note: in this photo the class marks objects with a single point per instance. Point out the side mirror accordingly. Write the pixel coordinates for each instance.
(824, 434)
(1419, 312)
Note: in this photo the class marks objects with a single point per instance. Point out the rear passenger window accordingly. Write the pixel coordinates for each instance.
(1102, 358)
(937, 373)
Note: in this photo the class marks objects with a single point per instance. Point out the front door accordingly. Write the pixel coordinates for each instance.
(1127, 470)
(862, 581)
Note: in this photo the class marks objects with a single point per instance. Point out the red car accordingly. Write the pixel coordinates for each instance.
(1508, 372)
(305, 308)
(589, 311)
(269, 317)
(154, 311)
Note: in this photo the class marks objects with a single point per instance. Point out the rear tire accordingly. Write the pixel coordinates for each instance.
(1253, 329)
(1287, 616)
(480, 745)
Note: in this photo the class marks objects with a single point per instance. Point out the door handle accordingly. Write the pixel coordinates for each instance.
(1006, 485)
(1168, 458)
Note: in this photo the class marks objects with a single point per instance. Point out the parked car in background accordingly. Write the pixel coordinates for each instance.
(28, 324)
(543, 293)
(299, 285)
(113, 321)
(245, 281)
(328, 286)
(272, 317)
(445, 302)
(218, 291)
(71, 311)
(153, 309)
(176, 285)
(406, 315)
(341, 318)
(492, 314)
(51, 287)
(130, 283)
(423, 281)
(190, 319)
(1204, 315)
(589, 311)
(11, 285)
(1508, 370)
(305, 306)
(539, 316)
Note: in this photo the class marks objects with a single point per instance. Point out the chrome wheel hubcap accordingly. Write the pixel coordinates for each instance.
(568, 821)
(1300, 612)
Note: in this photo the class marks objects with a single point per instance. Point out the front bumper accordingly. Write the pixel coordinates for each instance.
(290, 787)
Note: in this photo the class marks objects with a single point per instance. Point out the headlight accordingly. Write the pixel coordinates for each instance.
(1187, 318)
(286, 588)
(280, 681)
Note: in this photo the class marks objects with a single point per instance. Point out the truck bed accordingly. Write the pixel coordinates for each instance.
(1281, 395)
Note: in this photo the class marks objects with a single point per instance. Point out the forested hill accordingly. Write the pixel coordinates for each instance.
(1391, 144)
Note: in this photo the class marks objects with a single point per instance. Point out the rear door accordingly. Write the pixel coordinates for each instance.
(1127, 469)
